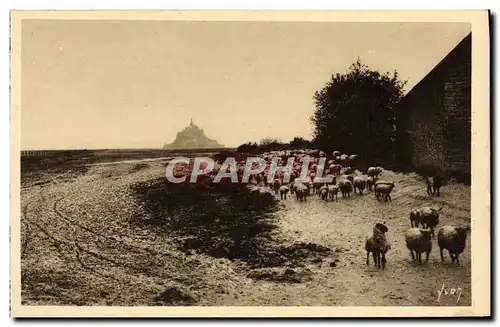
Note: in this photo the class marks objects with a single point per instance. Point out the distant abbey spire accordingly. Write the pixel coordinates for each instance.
(191, 122)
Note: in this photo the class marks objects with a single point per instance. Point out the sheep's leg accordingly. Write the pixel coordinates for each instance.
(374, 258)
(384, 261)
(427, 256)
(452, 257)
(441, 252)
(419, 256)
(412, 255)
(456, 258)
(367, 257)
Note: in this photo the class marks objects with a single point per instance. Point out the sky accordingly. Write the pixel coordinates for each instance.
(135, 84)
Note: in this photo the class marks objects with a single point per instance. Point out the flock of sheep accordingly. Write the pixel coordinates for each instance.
(344, 178)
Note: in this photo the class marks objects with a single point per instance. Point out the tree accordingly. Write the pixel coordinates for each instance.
(355, 112)
(299, 143)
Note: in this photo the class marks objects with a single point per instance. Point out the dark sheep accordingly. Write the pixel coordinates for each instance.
(418, 241)
(359, 183)
(276, 185)
(434, 185)
(452, 239)
(370, 182)
(345, 187)
(378, 245)
(284, 191)
(323, 193)
(429, 218)
(374, 171)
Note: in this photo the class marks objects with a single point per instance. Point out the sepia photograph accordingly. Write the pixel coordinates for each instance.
(190, 163)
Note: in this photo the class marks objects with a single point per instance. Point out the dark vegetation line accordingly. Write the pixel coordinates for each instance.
(222, 221)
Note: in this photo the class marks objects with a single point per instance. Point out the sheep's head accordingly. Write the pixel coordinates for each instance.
(382, 227)
(462, 232)
(435, 212)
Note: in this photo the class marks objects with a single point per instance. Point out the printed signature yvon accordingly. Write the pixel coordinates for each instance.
(454, 292)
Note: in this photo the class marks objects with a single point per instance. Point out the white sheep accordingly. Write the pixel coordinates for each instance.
(333, 191)
(384, 188)
(301, 192)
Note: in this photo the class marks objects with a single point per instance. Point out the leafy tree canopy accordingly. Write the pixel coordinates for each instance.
(355, 112)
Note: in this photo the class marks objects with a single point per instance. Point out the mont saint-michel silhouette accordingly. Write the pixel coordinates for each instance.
(192, 137)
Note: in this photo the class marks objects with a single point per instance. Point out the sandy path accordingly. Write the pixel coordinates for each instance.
(342, 226)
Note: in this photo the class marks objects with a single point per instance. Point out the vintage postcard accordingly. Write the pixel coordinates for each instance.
(250, 164)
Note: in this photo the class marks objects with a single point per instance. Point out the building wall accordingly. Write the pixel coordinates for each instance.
(433, 120)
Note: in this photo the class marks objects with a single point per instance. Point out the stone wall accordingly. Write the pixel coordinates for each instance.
(433, 120)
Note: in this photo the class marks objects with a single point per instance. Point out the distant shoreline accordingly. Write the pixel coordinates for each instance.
(40, 151)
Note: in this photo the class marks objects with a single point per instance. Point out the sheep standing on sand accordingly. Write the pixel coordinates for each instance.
(370, 182)
(308, 184)
(415, 218)
(323, 193)
(345, 187)
(301, 192)
(359, 183)
(429, 217)
(333, 191)
(434, 185)
(276, 185)
(384, 189)
(378, 245)
(284, 191)
(418, 241)
(374, 171)
(452, 239)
